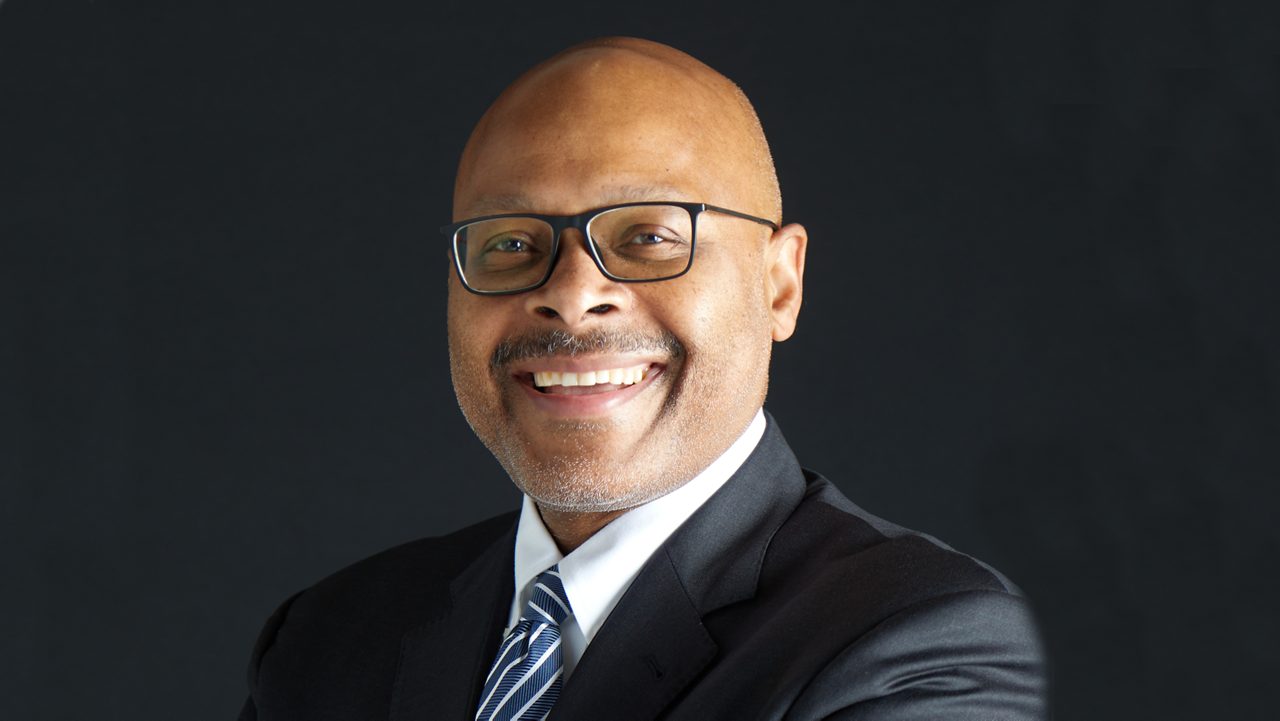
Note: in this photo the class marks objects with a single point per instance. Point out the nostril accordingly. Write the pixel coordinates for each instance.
(602, 308)
(546, 312)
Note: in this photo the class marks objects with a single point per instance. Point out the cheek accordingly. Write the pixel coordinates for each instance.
(721, 318)
(736, 287)
(469, 348)
(473, 324)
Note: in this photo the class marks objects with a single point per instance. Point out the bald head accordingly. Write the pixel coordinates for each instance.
(613, 120)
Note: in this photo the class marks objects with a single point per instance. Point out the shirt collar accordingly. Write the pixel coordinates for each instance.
(597, 573)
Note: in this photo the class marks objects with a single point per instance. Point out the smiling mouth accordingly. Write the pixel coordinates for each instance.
(589, 382)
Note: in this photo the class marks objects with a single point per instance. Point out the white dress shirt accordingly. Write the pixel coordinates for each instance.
(598, 572)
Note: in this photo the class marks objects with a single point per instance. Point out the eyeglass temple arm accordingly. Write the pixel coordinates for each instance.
(744, 216)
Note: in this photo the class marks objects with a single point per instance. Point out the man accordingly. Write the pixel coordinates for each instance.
(619, 277)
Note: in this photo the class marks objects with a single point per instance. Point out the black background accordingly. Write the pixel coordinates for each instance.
(1039, 320)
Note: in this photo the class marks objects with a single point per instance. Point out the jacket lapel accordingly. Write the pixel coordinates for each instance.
(637, 664)
(654, 643)
(443, 661)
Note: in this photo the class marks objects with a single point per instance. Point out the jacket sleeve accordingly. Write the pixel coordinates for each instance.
(972, 656)
(265, 640)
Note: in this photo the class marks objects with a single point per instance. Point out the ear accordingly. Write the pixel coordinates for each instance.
(784, 259)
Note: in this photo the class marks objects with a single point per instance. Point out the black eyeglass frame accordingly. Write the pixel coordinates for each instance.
(559, 223)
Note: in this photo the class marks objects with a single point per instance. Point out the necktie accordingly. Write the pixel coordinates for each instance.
(525, 679)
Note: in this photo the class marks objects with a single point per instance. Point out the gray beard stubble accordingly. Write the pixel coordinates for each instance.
(552, 343)
(576, 484)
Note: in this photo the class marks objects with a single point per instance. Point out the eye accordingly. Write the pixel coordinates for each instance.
(648, 239)
(508, 244)
(648, 244)
(659, 236)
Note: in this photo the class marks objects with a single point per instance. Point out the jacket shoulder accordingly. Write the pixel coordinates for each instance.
(413, 563)
(366, 606)
(860, 607)
(851, 539)
(923, 630)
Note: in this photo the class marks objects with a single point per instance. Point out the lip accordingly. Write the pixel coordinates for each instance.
(583, 406)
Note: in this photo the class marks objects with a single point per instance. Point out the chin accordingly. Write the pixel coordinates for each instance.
(586, 490)
(588, 482)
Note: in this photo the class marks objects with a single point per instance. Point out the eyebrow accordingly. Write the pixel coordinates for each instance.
(519, 203)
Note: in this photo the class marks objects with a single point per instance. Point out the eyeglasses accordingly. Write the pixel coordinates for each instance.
(630, 243)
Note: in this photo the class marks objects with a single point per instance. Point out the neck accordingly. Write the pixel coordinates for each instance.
(571, 529)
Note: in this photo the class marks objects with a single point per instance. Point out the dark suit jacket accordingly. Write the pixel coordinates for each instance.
(778, 599)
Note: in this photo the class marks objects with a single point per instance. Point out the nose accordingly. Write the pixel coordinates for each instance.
(577, 292)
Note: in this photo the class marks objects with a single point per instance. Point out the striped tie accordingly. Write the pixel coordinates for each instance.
(525, 679)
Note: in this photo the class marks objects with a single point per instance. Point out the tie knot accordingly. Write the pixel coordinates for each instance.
(548, 602)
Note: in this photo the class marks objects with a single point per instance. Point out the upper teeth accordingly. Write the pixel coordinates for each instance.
(617, 376)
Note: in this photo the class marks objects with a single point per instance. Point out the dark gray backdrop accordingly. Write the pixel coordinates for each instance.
(1040, 318)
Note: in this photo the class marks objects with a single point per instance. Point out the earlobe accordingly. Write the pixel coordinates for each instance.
(786, 257)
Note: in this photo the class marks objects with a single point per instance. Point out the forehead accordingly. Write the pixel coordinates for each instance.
(532, 202)
(602, 130)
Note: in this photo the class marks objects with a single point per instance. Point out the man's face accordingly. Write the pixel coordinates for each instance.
(699, 344)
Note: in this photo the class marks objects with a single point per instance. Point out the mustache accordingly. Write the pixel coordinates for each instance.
(550, 343)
